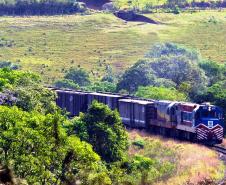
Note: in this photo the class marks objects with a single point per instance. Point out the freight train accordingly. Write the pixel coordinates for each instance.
(191, 121)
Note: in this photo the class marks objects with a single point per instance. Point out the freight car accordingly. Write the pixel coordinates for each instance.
(202, 122)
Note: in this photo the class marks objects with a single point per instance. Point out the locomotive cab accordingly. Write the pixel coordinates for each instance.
(209, 123)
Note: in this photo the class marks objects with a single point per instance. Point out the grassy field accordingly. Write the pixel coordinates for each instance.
(51, 45)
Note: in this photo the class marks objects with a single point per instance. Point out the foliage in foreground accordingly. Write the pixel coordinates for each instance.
(37, 148)
(42, 146)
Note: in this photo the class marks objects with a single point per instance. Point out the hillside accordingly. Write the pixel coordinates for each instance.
(193, 163)
(51, 45)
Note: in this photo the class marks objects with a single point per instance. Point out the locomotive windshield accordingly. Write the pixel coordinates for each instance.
(209, 114)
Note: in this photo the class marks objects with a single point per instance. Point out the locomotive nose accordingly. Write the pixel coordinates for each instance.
(211, 136)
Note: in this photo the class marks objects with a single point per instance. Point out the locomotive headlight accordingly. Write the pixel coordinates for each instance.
(209, 108)
(210, 124)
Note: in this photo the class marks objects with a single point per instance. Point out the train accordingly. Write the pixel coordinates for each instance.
(190, 121)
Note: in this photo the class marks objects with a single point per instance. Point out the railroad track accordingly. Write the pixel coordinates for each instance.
(219, 149)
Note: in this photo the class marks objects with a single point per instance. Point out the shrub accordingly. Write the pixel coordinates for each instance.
(65, 83)
(160, 93)
(78, 76)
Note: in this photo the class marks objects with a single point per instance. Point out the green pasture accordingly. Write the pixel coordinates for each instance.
(51, 45)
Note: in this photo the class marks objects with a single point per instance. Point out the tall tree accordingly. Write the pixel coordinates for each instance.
(38, 149)
(103, 129)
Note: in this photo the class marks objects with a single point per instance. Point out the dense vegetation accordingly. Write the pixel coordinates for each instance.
(47, 7)
(160, 93)
(153, 5)
(42, 146)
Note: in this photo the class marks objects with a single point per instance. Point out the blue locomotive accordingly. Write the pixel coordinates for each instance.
(209, 123)
(202, 122)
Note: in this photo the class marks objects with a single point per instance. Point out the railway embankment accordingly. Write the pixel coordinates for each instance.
(194, 163)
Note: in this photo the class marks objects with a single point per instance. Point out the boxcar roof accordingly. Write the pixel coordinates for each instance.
(105, 94)
(70, 92)
(187, 104)
(143, 102)
(165, 101)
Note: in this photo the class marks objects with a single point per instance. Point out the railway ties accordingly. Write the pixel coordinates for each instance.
(219, 149)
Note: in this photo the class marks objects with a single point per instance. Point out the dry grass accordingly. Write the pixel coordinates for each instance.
(195, 163)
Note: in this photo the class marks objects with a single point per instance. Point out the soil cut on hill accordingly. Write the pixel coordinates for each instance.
(132, 16)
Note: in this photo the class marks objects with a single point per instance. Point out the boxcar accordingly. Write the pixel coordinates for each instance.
(79, 102)
(108, 99)
(135, 113)
(60, 101)
(74, 102)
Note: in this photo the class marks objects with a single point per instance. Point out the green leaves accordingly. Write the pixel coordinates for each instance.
(160, 93)
(103, 129)
(36, 147)
(78, 76)
(168, 65)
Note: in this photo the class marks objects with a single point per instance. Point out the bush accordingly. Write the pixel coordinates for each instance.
(160, 93)
(176, 10)
(213, 70)
(102, 87)
(10, 65)
(78, 76)
(172, 49)
(65, 83)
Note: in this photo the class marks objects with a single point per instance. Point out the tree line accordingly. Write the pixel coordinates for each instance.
(167, 71)
(36, 7)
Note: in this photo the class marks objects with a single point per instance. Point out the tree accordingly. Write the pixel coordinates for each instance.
(102, 87)
(216, 94)
(180, 70)
(140, 74)
(25, 90)
(39, 150)
(103, 129)
(213, 70)
(160, 93)
(172, 49)
(78, 76)
(167, 65)
(109, 76)
(36, 7)
(65, 83)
